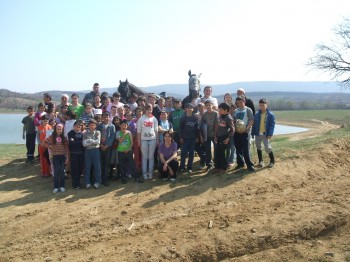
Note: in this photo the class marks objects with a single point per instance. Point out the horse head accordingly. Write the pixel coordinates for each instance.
(124, 90)
(194, 84)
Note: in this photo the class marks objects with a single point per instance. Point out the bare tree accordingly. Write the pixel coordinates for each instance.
(334, 58)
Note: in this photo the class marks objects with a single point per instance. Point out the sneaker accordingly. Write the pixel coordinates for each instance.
(210, 168)
(251, 168)
(261, 164)
(189, 171)
(173, 179)
(145, 176)
(182, 170)
(150, 176)
(201, 167)
(271, 165)
(238, 167)
(55, 190)
(165, 179)
(62, 189)
(96, 185)
(88, 186)
(106, 183)
(76, 188)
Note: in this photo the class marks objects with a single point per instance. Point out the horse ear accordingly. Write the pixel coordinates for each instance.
(189, 72)
(120, 81)
(126, 81)
(199, 75)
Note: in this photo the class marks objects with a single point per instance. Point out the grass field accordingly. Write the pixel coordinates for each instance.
(336, 117)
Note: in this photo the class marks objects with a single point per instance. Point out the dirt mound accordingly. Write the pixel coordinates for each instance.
(297, 211)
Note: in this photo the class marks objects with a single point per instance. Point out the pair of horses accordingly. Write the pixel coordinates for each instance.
(126, 89)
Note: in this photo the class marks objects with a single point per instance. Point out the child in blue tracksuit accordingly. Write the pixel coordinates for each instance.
(263, 128)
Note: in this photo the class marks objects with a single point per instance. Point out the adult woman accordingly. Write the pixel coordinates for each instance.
(168, 157)
(147, 138)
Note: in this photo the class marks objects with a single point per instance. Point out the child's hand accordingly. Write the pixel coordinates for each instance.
(226, 141)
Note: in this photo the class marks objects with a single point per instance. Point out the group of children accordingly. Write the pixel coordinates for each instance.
(139, 136)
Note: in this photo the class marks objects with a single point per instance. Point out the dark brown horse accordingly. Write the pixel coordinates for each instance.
(126, 89)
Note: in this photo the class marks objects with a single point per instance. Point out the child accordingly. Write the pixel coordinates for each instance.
(37, 121)
(43, 152)
(29, 134)
(137, 151)
(168, 157)
(164, 125)
(175, 118)
(76, 153)
(188, 135)
(231, 150)
(59, 149)
(107, 131)
(125, 144)
(91, 142)
(62, 115)
(224, 130)
(87, 115)
(263, 128)
(69, 125)
(147, 138)
(241, 140)
(210, 118)
(114, 154)
(200, 145)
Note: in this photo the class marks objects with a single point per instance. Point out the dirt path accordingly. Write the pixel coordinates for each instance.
(297, 211)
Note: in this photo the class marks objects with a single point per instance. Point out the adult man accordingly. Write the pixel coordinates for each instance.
(248, 102)
(208, 90)
(89, 97)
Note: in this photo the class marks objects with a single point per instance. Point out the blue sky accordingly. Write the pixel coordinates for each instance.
(69, 45)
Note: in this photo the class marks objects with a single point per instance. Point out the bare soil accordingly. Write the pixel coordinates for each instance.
(298, 210)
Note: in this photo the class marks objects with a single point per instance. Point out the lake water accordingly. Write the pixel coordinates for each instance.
(11, 129)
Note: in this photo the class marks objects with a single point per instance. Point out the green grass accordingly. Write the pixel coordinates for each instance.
(285, 148)
(336, 117)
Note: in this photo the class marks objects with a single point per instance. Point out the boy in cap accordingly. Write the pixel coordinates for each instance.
(175, 119)
(263, 128)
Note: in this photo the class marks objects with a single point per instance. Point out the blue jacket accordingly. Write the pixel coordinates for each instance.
(269, 124)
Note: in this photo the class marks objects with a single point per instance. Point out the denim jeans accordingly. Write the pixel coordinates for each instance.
(231, 151)
(187, 148)
(208, 149)
(148, 148)
(92, 158)
(58, 163)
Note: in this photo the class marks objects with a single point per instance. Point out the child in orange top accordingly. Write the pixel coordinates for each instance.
(44, 162)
